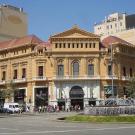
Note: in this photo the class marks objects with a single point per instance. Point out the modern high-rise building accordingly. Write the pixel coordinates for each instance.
(13, 22)
(114, 23)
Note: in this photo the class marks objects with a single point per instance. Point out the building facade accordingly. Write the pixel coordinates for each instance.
(115, 23)
(13, 22)
(73, 68)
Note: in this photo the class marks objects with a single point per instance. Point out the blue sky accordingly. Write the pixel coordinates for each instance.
(47, 17)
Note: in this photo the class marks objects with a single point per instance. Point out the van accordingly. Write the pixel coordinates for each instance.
(13, 107)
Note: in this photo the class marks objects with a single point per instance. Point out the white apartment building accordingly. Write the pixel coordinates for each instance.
(114, 23)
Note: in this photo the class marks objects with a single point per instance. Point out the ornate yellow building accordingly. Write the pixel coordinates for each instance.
(73, 68)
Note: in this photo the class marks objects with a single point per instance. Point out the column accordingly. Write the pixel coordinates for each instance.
(66, 66)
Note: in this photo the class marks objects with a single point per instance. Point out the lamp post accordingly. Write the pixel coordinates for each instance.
(65, 98)
(112, 70)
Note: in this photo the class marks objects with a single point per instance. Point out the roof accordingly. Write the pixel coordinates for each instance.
(30, 39)
(106, 42)
(45, 44)
(73, 30)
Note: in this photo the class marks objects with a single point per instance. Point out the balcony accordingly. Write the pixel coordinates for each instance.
(19, 80)
(2, 82)
(71, 77)
(126, 78)
(39, 78)
(109, 77)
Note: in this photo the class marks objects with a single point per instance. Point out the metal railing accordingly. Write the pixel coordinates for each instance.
(72, 77)
(19, 80)
(2, 81)
(38, 78)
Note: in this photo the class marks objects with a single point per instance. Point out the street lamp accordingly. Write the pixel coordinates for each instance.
(112, 70)
(65, 98)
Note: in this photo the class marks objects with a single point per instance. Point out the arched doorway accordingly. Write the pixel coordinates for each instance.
(76, 95)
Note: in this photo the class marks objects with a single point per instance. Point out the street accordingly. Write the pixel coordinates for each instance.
(48, 125)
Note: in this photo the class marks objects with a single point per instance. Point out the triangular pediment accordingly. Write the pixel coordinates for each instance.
(75, 32)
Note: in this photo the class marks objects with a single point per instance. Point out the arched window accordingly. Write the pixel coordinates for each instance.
(60, 70)
(91, 69)
(75, 68)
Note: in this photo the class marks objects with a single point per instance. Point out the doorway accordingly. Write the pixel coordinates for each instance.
(77, 97)
(41, 97)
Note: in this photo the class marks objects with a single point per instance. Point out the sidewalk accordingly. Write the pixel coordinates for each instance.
(52, 114)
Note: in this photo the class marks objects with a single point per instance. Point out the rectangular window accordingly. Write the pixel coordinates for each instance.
(77, 45)
(120, 23)
(60, 45)
(60, 70)
(131, 73)
(64, 45)
(56, 45)
(81, 45)
(94, 45)
(109, 92)
(24, 73)
(68, 45)
(89, 45)
(15, 74)
(4, 75)
(124, 71)
(73, 45)
(86, 45)
(40, 71)
(90, 69)
(111, 26)
(109, 70)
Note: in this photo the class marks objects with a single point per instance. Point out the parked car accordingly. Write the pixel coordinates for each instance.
(11, 107)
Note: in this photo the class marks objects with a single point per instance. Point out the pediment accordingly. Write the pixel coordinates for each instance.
(75, 32)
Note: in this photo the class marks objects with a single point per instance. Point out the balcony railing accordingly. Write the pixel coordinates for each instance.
(126, 77)
(108, 77)
(71, 77)
(2, 82)
(39, 78)
(19, 80)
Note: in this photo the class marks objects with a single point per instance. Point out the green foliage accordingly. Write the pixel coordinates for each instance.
(131, 88)
(8, 91)
(88, 118)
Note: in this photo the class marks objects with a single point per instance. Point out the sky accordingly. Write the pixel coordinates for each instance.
(48, 17)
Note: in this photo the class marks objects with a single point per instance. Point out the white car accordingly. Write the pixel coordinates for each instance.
(14, 107)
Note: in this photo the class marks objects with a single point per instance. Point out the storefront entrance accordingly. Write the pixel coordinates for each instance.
(77, 97)
(41, 97)
(19, 96)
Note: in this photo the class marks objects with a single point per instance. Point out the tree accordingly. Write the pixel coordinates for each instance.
(131, 88)
(8, 91)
